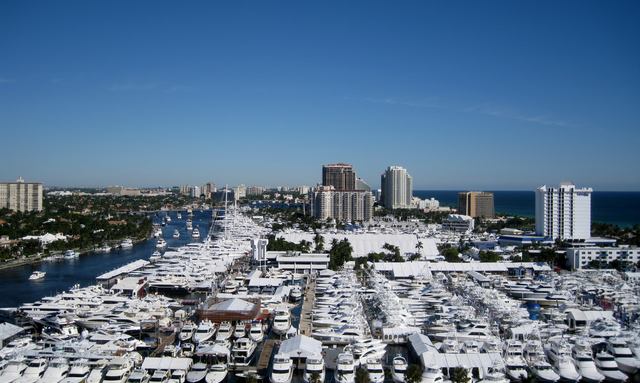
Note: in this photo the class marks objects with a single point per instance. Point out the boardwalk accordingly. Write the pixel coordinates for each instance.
(265, 355)
(307, 306)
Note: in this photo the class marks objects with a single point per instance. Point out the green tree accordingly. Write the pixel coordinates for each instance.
(318, 240)
(489, 256)
(459, 375)
(413, 374)
(362, 376)
(315, 377)
(451, 254)
(339, 254)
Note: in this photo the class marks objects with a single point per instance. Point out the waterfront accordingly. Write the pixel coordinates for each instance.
(618, 208)
(63, 274)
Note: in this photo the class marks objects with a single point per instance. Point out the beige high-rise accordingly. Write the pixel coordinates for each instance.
(476, 204)
(21, 196)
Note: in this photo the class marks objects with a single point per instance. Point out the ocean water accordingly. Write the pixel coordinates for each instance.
(618, 208)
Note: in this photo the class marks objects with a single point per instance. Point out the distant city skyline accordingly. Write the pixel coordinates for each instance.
(488, 95)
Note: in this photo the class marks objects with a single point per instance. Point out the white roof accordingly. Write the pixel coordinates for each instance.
(167, 363)
(589, 316)
(306, 258)
(7, 330)
(399, 268)
(233, 305)
(129, 283)
(366, 243)
(264, 282)
(301, 346)
(129, 267)
(420, 343)
(471, 360)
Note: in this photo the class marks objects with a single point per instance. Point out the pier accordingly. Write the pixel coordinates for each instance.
(307, 306)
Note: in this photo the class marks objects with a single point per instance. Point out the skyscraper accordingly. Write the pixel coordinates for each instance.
(563, 212)
(397, 188)
(340, 176)
(476, 204)
(21, 196)
(348, 206)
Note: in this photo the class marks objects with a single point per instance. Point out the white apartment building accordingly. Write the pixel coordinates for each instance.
(580, 257)
(397, 188)
(348, 206)
(21, 196)
(563, 212)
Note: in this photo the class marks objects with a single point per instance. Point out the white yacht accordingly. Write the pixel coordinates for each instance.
(514, 361)
(627, 362)
(296, 293)
(242, 351)
(139, 376)
(179, 216)
(70, 254)
(198, 373)
(583, 359)
(186, 332)
(345, 371)
(314, 365)
(161, 244)
(160, 376)
(126, 244)
(559, 354)
(12, 370)
(543, 371)
(256, 332)
(104, 249)
(432, 374)
(79, 372)
(398, 369)
(607, 366)
(281, 321)
(118, 370)
(56, 371)
(196, 233)
(189, 224)
(217, 373)
(176, 233)
(375, 370)
(33, 372)
(225, 331)
(205, 331)
(37, 275)
(282, 371)
(240, 330)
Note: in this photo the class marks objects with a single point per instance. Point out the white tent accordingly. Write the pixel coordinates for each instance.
(301, 347)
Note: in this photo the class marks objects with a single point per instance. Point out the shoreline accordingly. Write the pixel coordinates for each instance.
(42, 258)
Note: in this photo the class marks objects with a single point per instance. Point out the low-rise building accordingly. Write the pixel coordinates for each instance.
(458, 223)
(581, 257)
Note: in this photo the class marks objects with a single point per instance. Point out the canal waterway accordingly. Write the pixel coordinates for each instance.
(16, 288)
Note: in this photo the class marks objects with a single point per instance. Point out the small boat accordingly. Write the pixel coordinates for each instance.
(70, 254)
(126, 244)
(104, 249)
(37, 275)
(179, 216)
(168, 218)
(176, 233)
(196, 233)
(189, 224)
(161, 244)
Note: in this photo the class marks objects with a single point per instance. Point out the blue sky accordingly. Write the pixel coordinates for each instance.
(479, 94)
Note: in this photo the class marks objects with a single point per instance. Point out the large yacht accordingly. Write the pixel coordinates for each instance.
(345, 371)
(314, 366)
(282, 371)
(281, 321)
(37, 275)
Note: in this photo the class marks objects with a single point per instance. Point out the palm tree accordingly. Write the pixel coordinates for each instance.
(419, 247)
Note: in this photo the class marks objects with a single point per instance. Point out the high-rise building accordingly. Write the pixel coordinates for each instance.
(255, 191)
(196, 192)
(564, 212)
(340, 176)
(208, 189)
(397, 188)
(353, 205)
(21, 196)
(239, 192)
(476, 204)
(362, 185)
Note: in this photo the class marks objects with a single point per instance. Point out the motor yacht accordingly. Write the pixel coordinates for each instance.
(56, 371)
(295, 294)
(225, 331)
(139, 376)
(126, 244)
(12, 370)
(198, 373)
(240, 330)
(34, 371)
(176, 234)
(559, 355)
(178, 376)
(607, 366)
(79, 372)
(432, 374)
(256, 332)
(160, 376)
(70, 254)
(314, 365)
(375, 370)
(399, 369)
(187, 331)
(205, 331)
(514, 361)
(196, 233)
(242, 351)
(583, 359)
(345, 371)
(626, 360)
(161, 244)
(104, 249)
(282, 371)
(37, 275)
(217, 373)
(118, 370)
(281, 321)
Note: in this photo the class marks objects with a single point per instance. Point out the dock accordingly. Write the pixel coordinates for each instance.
(109, 278)
(307, 306)
(265, 355)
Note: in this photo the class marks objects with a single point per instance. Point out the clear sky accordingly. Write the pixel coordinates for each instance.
(478, 94)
